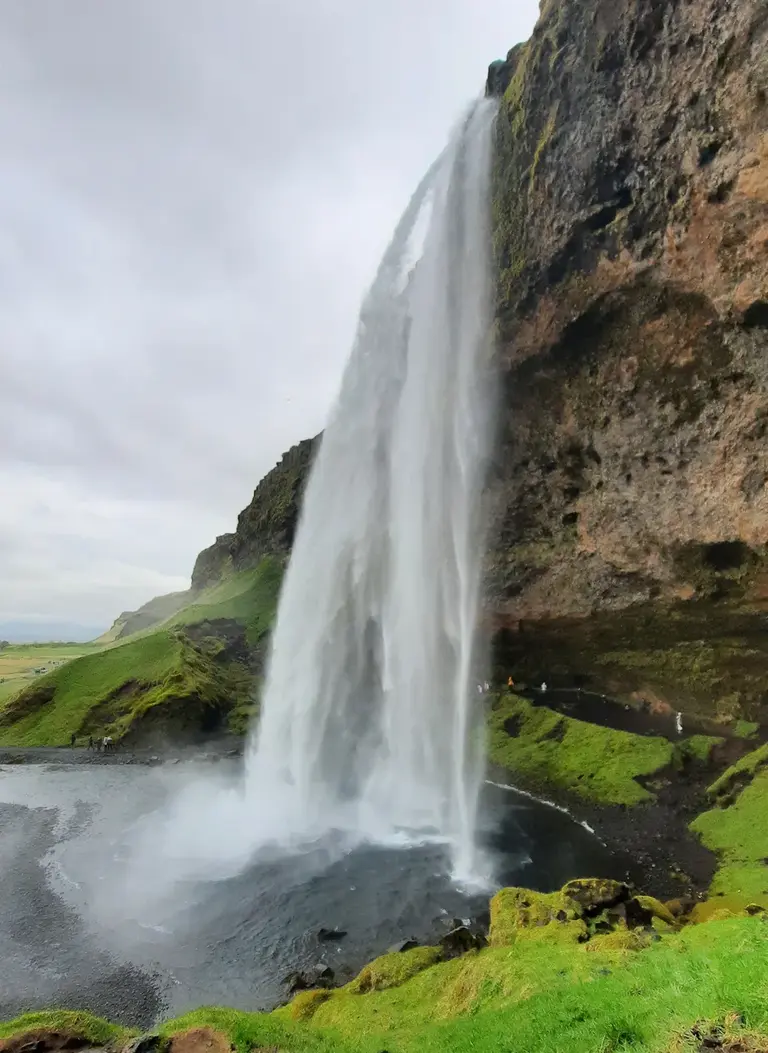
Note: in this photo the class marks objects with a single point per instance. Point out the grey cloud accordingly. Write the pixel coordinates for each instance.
(193, 197)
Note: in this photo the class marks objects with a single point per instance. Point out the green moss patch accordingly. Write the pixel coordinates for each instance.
(600, 764)
(739, 774)
(738, 834)
(697, 748)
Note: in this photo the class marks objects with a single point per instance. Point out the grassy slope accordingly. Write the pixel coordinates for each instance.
(161, 660)
(552, 750)
(249, 597)
(18, 662)
(85, 682)
(530, 998)
(737, 829)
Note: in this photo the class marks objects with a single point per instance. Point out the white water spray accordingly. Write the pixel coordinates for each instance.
(371, 716)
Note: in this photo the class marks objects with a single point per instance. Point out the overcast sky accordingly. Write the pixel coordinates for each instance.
(193, 198)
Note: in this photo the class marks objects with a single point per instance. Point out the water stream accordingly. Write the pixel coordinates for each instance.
(371, 722)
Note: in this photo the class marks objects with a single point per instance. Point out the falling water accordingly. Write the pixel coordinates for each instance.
(371, 712)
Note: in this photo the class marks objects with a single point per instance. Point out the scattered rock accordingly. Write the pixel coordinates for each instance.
(460, 940)
(320, 975)
(149, 1043)
(681, 906)
(330, 935)
(641, 910)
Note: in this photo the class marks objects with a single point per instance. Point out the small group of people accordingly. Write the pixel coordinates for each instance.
(106, 743)
(484, 688)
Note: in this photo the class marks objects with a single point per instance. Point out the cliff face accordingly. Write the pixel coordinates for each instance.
(267, 526)
(631, 235)
(629, 507)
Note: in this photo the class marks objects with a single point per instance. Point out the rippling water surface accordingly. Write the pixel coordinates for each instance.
(104, 905)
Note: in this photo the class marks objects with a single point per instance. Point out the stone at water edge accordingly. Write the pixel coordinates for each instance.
(329, 935)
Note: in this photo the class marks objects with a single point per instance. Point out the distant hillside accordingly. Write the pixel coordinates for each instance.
(25, 631)
(187, 664)
(151, 613)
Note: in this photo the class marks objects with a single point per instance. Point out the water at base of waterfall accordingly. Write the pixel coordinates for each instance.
(371, 720)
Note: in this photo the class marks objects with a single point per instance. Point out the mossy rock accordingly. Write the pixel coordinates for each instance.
(519, 913)
(593, 894)
(305, 1003)
(655, 909)
(392, 970)
(583, 910)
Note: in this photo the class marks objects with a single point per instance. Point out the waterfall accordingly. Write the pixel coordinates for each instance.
(371, 718)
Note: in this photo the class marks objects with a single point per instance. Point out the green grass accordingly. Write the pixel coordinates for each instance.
(83, 1025)
(744, 768)
(165, 668)
(82, 684)
(85, 696)
(697, 748)
(745, 729)
(536, 998)
(532, 997)
(249, 597)
(600, 764)
(18, 662)
(739, 836)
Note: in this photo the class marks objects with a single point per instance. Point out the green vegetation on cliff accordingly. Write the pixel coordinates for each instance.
(248, 597)
(547, 749)
(193, 674)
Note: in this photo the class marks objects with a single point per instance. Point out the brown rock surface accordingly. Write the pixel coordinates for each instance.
(631, 233)
(200, 1040)
(631, 207)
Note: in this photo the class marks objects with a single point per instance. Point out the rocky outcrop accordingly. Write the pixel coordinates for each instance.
(267, 526)
(631, 234)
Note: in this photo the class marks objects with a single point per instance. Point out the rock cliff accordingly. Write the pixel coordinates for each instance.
(630, 212)
(629, 507)
(267, 526)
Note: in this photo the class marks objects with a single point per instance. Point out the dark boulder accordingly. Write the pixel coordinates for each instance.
(330, 935)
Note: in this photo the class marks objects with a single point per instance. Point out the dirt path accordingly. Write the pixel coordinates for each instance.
(209, 751)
